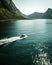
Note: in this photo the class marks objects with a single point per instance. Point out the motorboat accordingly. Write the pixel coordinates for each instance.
(12, 39)
(23, 36)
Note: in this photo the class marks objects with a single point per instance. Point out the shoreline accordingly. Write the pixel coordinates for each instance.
(7, 20)
(13, 19)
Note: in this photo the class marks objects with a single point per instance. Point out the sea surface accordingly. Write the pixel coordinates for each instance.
(33, 50)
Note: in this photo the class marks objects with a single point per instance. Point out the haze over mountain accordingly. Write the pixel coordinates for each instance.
(29, 6)
(8, 10)
(45, 15)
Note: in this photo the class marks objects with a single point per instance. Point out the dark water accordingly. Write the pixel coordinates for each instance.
(20, 52)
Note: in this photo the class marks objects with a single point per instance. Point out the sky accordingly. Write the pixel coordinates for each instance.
(29, 6)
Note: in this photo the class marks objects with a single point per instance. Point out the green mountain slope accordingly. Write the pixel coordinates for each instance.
(8, 10)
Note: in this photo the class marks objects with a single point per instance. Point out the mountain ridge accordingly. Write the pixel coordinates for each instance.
(46, 15)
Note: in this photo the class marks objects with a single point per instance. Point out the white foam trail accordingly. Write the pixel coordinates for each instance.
(9, 40)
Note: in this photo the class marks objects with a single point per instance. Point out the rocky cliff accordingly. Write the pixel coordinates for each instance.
(8, 10)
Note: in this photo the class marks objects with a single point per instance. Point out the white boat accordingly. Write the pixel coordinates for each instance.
(12, 39)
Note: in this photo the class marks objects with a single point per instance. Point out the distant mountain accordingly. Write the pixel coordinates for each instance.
(37, 15)
(8, 10)
(48, 14)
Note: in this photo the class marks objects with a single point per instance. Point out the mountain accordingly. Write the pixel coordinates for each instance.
(37, 15)
(8, 10)
(48, 14)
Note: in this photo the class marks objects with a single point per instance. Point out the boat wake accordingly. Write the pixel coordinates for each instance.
(11, 39)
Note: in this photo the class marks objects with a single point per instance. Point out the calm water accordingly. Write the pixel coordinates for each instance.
(20, 52)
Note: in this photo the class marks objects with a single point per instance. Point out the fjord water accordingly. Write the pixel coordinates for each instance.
(20, 52)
